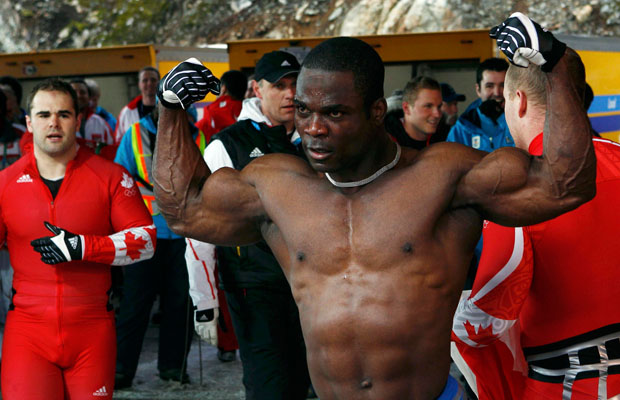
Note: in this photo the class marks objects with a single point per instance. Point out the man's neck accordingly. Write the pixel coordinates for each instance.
(378, 156)
(53, 167)
(289, 126)
(148, 101)
(414, 133)
(530, 131)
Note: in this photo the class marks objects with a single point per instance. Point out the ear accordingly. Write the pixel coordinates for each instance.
(522, 103)
(478, 89)
(29, 123)
(378, 110)
(256, 89)
(405, 106)
(78, 121)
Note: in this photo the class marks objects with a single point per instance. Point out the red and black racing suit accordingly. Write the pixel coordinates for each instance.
(59, 340)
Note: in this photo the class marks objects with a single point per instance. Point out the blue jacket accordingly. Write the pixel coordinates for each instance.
(474, 129)
(126, 158)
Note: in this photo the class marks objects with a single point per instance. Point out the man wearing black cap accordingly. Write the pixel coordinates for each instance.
(264, 314)
(483, 124)
(449, 106)
(449, 110)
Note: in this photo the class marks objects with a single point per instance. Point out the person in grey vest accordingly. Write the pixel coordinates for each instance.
(264, 314)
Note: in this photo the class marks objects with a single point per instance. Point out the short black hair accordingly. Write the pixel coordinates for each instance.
(236, 83)
(350, 54)
(14, 84)
(491, 64)
(149, 68)
(81, 81)
(6, 127)
(53, 85)
(2, 107)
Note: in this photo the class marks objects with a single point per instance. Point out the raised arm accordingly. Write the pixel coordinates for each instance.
(511, 187)
(222, 208)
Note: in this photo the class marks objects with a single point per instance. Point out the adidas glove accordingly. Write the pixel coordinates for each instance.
(187, 83)
(523, 41)
(205, 324)
(64, 246)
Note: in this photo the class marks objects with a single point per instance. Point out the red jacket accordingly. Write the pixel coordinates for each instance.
(95, 198)
(218, 115)
(557, 279)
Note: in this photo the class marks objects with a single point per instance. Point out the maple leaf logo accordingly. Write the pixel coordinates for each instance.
(483, 336)
(127, 181)
(134, 244)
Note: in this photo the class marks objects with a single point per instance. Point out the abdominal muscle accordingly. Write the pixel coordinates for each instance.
(370, 335)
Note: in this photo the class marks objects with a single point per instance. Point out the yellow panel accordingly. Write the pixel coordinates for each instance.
(473, 44)
(217, 68)
(603, 114)
(615, 136)
(90, 61)
(601, 71)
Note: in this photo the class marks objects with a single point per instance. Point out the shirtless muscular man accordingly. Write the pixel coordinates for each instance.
(374, 240)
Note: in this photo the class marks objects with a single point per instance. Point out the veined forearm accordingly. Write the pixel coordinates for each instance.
(179, 170)
(568, 150)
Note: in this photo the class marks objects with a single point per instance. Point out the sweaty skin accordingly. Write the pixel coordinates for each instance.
(376, 270)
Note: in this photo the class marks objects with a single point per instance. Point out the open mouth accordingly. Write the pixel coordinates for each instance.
(318, 153)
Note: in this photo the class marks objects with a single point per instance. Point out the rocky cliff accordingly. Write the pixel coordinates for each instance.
(47, 24)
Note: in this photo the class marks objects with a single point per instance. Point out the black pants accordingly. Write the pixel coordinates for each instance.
(165, 274)
(271, 344)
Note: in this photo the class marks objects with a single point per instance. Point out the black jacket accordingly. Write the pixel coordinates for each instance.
(254, 265)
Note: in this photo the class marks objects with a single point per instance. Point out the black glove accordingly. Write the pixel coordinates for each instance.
(64, 246)
(491, 109)
(187, 83)
(523, 41)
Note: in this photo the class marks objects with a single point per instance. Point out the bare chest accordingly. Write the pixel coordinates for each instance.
(383, 225)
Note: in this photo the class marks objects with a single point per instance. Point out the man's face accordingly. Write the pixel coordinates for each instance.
(12, 107)
(423, 115)
(82, 95)
(492, 86)
(93, 101)
(277, 99)
(147, 83)
(331, 120)
(53, 122)
(450, 110)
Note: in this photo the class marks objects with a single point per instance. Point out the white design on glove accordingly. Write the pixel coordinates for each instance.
(187, 83)
(205, 328)
(524, 41)
(64, 246)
